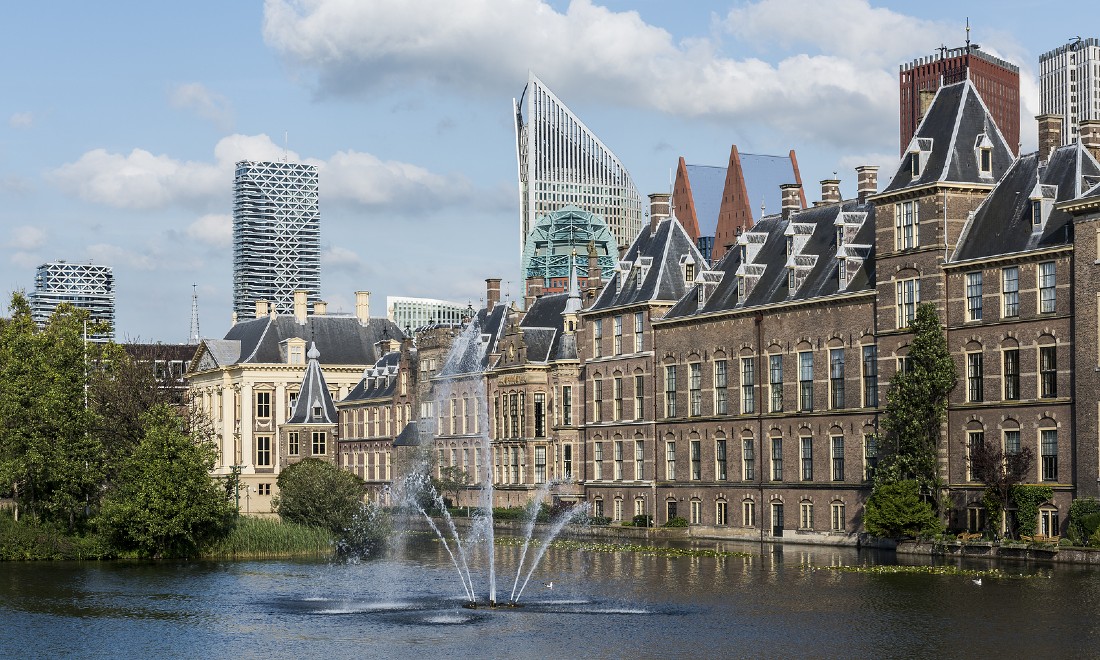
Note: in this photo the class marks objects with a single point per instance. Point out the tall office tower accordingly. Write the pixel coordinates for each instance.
(276, 235)
(1069, 84)
(997, 82)
(561, 162)
(412, 313)
(87, 286)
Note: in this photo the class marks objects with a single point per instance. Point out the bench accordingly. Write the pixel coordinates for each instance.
(1040, 538)
(967, 537)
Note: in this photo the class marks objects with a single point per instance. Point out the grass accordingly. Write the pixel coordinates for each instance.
(264, 538)
(650, 550)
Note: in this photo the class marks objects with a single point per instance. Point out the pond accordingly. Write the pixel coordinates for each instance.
(779, 602)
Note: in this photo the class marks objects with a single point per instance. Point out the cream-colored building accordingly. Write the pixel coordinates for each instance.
(247, 383)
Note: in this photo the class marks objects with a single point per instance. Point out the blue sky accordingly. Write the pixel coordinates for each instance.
(120, 121)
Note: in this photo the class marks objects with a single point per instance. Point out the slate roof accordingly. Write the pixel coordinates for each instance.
(707, 183)
(543, 327)
(762, 175)
(657, 274)
(379, 380)
(314, 396)
(409, 436)
(819, 247)
(472, 347)
(951, 128)
(1003, 223)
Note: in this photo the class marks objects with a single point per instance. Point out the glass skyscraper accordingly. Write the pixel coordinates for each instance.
(276, 235)
(85, 286)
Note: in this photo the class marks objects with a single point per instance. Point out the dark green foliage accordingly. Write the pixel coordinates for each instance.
(452, 479)
(678, 521)
(316, 492)
(1027, 500)
(164, 502)
(30, 540)
(1084, 519)
(261, 538)
(643, 520)
(897, 511)
(916, 405)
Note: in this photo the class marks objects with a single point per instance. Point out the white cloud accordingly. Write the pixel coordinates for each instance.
(340, 258)
(213, 229)
(116, 256)
(208, 105)
(140, 179)
(27, 260)
(364, 179)
(21, 120)
(26, 237)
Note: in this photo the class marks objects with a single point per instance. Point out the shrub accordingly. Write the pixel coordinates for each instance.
(1028, 499)
(315, 492)
(678, 521)
(1084, 519)
(643, 520)
(599, 520)
(897, 511)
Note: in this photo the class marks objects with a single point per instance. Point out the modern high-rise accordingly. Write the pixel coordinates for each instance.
(1069, 84)
(997, 83)
(85, 286)
(412, 313)
(561, 162)
(276, 235)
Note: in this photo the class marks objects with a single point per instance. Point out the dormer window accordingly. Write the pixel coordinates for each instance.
(741, 287)
(986, 160)
(791, 281)
(842, 273)
(790, 245)
(689, 272)
(914, 164)
(316, 411)
(1036, 212)
(839, 237)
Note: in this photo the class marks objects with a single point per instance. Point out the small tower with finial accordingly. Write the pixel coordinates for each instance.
(194, 337)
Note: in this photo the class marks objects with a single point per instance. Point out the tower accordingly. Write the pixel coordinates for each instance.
(1069, 84)
(85, 286)
(194, 337)
(276, 235)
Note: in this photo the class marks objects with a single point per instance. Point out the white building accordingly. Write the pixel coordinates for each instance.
(1069, 84)
(85, 286)
(413, 313)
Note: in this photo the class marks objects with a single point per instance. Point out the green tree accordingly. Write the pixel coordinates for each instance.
(165, 503)
(316, 492)
(452, 479)
(916, 406)
(896, 511)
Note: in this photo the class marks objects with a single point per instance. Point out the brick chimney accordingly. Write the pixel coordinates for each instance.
(301, 305)
(320, 308)
(925, 98)
(261, 309)
(492, 293)
(594, 280)
(830, 191)
(362, 306)
(659, 208)
(1089, 129)
(866, 182)
(792, 198)
(1050, 134)
(534, 291)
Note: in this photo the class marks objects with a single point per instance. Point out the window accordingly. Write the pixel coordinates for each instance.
(567, 462)
(540, 415)
(870, 376)
(905, 224)
(914, 164)
(639, 507)
(540, 464)
(775, 382)
(838, 516)
(974, 442)
(748, 459)
(639, 396)
(689, 273)
(838, 457)
(1012, 442)
(986, 160)
(748, 381)
(320, 441)
(974, 377)
(721, 398)
(974, 296)
(1010, 291)
(1012, 374)
(639, 460)
(618, 464)
(597, 337)
(597, 508)
(597, 400)
(513, 402)
(720, 459)
(567, 405)
(597, 460)
(975, 519)
(639, 326)
(670, 460)
(908, 297)
(617, 511)
(263, 405)
(263, 451)
(696, 512)
(806, 515)
(292, 443)
(870, 456)
(617, 398)
(694, 385)
(618, 325)
(1046, 287)
(777, 459)
(670, 510)
(806, 380)
(836, 377)
(721, 513)
(748, 513)
(670, 390)
(1036, 212)
(696, 460)
(1048, 451)
(1048, 522)
(1048, 372)
(807, 458)
(263, 489)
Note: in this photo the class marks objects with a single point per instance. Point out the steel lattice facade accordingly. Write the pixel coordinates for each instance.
(276, 235)
(562, 163)
(86, 286)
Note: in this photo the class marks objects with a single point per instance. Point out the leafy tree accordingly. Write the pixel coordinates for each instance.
(316, 492)
(897, 510)
(916, 406)
(452, 479)
(165, 503)
(1027, 499)
(1084, 519)
(1000, 472)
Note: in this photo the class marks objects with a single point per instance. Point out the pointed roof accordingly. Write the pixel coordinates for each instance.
(314, 404)
(573, 293)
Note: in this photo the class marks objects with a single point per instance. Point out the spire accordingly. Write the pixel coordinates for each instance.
(194, 337)
(573, 303)
(314, 404)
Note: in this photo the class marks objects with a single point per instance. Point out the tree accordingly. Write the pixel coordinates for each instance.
(452, 479)
(164, 502)
(897, 510)
(916, 406)
(316, 492)
(1000, 472)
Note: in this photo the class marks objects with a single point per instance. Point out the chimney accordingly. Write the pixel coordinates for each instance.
(301, 300)
(1050, 134)
(622, 251)
(792, 198)
(593, 276)
(659, 209)
(320, 308)
(1089, 130)
(261, 309)
(925, 97)
(534, 291)
(830, 191)
(492, 293)
(233, 319)
(362, 306)
(866, 182)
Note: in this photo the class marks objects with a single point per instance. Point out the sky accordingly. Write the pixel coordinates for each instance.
(120, 121)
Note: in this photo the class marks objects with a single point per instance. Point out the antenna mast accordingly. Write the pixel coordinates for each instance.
(194, 337)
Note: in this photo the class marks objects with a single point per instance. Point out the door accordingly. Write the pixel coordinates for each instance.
(777, 519)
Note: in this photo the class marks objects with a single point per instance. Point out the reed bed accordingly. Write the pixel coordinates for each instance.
(262, 538)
